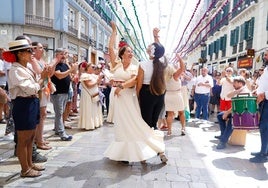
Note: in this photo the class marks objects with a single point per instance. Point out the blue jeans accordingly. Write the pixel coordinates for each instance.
(59, 102)
(263, 108)
(201, 105)
(226, 127)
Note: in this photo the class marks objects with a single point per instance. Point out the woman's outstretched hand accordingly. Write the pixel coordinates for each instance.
(113, 26)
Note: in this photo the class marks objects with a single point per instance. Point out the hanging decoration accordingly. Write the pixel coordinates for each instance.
(137, 18)
(197, 5)
(124, 10)
(134, 46)
(205, 36)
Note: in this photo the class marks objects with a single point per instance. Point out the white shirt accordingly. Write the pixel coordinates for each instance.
(263, 86)
(148, 68)
(4, 66)
(22, 81)
(227, 87)
(203, 89)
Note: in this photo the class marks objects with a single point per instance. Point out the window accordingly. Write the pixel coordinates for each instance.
(83, 25)
(40, 8)
(47, 14)
(94, 32)
(29, 7)
(71, 17)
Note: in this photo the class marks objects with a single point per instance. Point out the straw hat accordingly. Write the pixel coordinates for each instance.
(16, 45)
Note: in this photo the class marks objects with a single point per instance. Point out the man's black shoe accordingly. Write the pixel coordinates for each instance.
(37, 158)
(257, 153)
(221, 145)
(261, 158)
(218, 137)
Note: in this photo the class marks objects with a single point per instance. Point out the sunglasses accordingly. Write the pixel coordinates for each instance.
(29, 50)
(260, 69)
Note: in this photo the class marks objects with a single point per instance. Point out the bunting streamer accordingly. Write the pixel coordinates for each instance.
(179, 47)
(124, 10)
(137, 18)
(134, 46)
(190, 48)
(197, 5)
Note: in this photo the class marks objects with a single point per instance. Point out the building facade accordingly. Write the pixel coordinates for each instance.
(229, 31)
(81, 26)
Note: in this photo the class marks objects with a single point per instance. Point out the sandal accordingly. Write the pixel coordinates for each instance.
(31, 173)
(163, 158)
(163, 127)
(43, 146)
(182, 132)
(169, 133)
(38, 167)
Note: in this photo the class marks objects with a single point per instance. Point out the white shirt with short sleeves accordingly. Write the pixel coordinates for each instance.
(203, 79)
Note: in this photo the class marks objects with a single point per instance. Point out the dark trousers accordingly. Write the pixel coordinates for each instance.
(151, 106)
(106, 91)
(263, 108)
(225, 126)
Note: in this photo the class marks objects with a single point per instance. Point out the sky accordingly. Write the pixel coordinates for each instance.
(170, 16)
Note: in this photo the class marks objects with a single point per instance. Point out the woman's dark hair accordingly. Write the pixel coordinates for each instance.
(122, 51)
(157, 83)
(35, 43)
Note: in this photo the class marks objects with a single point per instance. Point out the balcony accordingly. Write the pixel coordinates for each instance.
(100, 46)
(72, 30)
(38, 21)
(93, 43)
(84, 37)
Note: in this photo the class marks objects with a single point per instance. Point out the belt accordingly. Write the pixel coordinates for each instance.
(30, 96)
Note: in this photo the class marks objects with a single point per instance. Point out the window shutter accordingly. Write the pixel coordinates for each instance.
(242, 32)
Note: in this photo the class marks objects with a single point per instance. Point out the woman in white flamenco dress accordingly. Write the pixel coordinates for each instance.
(90, 116)
(134, 140)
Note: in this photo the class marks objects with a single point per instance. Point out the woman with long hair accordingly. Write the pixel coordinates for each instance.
(151, 84)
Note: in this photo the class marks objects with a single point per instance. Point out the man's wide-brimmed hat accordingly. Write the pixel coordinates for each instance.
(15, 46)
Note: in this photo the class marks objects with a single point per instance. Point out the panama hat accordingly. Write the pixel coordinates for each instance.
(16, 45)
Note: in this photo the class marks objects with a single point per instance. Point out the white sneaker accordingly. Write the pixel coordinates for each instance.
(192, 112)
(8, 137)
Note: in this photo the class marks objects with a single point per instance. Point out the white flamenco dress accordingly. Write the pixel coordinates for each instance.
(134, 140)
(90, 116)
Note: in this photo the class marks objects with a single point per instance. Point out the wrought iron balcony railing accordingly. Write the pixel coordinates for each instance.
(38, 20)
